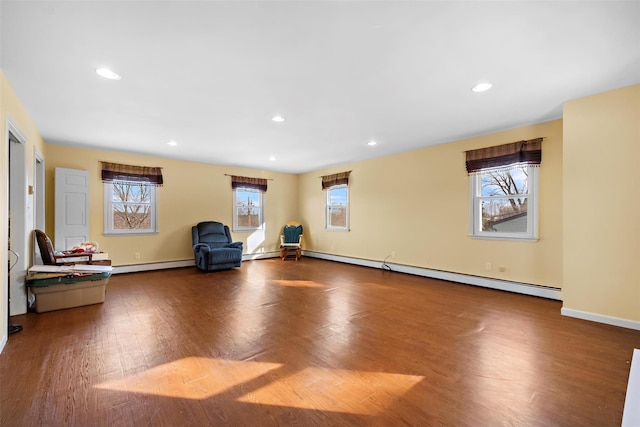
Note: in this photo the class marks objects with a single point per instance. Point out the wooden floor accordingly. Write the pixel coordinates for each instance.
(311, 343)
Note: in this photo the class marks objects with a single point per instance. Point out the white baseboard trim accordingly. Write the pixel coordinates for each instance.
(135, 268)
(3, 342)
(601, 318)
(485, 282)
(263, 255)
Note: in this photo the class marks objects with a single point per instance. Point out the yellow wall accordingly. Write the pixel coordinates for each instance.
(602, 204)
(426, 228)
(192, 192)
(417, 204)
(12, 109)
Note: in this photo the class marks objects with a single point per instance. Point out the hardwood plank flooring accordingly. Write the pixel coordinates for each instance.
(311, 343)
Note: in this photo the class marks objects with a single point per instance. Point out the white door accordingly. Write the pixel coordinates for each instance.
(72, 208)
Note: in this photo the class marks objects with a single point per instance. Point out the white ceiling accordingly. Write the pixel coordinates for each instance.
(211, 74)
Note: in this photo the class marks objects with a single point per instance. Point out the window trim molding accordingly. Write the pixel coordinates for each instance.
(327, 227)
(234, 215)
(108, 211)
(532, 206)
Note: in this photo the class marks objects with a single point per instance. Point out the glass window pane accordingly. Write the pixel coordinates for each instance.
(337, 216)
(248, 208)
(505, 182)
(131, 216)
(505, 215)
(338, 196)
(248, 217)
(130, 207)
(247, 198)
(131, 192)
(337, 203)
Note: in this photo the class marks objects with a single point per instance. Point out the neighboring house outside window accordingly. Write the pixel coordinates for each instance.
(504, 203)
(130, 207)
(337, 208)
(248, 209)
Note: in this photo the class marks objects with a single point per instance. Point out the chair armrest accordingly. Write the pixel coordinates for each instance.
(201, 246)
(283, 244)
(236, 245)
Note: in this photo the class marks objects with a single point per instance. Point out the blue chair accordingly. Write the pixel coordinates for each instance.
(213, 248)
(291, 241)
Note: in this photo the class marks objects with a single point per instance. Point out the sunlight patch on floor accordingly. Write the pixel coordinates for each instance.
(299, 283)
(323, 389)
(191, 377)
(335, 390)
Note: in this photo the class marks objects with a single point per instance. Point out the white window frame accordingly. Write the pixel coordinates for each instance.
(328, 205)
(108, 211)
(475, 214)
(236, 227)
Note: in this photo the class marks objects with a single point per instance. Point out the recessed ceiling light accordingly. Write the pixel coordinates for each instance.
(277, 119)
(482, 87)
(108, 74)
(272, 158)
(172, 143)
(372, 143)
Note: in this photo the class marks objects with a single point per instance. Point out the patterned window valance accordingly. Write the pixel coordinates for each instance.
(523, 152)
(246, 182)
(335, 179)
(116, 171)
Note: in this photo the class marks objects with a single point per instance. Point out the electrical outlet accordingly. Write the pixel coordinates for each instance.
(393, 254)
(136, 255)
(488, 266)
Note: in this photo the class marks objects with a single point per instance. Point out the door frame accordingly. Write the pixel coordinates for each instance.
(39, 180)
(17, 196)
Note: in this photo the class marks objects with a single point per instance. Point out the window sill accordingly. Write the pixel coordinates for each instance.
(510, 238)
(135, 233)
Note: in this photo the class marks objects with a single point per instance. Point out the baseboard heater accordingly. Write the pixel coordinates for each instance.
(485, 282)
(135, 268)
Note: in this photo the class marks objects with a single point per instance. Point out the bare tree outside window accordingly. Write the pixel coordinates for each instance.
(504, 198)
(248, 208)
(131, 206)
(248, 214)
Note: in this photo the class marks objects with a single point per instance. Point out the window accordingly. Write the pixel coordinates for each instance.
(130, 207)
(337, 208)
(504, 203)
(248, 204)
